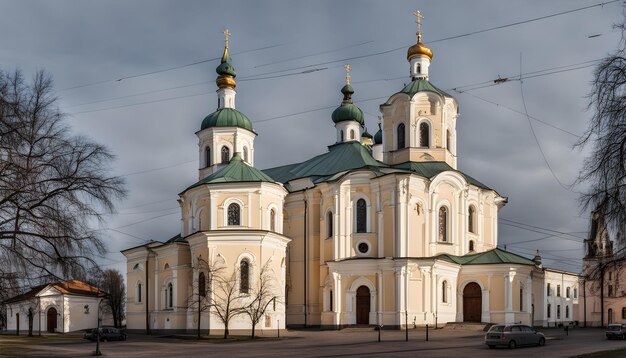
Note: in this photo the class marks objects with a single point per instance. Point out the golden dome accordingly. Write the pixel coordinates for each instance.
(225, 81)
(419, 49)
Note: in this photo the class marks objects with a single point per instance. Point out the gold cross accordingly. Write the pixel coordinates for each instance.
(348, 69)
(226, 33)
(419, 17)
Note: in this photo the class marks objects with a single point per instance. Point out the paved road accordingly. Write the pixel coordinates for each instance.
(346, 343)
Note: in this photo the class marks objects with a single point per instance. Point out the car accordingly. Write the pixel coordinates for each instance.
(106, 334)
(617, 331)
(513, 335)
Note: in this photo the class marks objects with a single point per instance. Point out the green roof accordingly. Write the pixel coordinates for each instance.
(236, 171)
(227, 117)
(226, 66)
(495, 256)
(348, 111)
(430, 169)
(339, 158)
(421, 85)
(378, 137)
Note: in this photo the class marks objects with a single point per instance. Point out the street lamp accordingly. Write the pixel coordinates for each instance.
(98, 353)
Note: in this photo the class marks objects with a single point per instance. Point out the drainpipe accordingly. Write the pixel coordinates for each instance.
(306, 217)
(585, 303)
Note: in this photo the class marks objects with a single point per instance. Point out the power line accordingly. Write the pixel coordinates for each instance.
(313, 54)
(541, 228)
(159, 168)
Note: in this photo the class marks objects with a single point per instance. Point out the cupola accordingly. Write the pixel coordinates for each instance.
(348, 117)
(419, 55)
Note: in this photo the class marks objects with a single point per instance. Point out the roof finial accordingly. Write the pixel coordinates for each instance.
(226, 34)
(348, 69)
(419, 17)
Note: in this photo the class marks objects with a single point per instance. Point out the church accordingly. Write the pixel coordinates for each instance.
(379, 230)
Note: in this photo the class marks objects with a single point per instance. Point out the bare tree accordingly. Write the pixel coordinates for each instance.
(200, 296)
(261, 296)
(111, 281)
(53, 184)
(605, 168)
(228, 301)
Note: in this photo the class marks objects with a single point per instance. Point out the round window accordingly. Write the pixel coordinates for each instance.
(363, 247)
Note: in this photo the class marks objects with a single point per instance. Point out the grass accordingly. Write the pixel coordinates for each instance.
(616, 353)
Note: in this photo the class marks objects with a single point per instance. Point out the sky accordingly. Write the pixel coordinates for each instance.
(139, 77)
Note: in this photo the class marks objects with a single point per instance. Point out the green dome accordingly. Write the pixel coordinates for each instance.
(348, 111)
(366, 134)
(378, 137)
(227, 117)
(347, 89)
(226, 68)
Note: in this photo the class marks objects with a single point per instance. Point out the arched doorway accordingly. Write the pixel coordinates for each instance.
(363, 305)
(52, 319)
(472, 302)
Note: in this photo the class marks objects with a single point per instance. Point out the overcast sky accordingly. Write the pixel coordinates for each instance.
(149, 119)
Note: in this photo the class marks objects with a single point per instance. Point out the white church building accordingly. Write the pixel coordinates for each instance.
(379, 229)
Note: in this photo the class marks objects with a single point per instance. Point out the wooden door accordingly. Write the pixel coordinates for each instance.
(52, 319)
(363, 305)
(472, 303)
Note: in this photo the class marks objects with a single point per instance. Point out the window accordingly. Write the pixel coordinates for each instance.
(567, 292)
(341, 135)
(471, 245)
(548, 290)
(170, 295)
(244, 276)
(521, 299)
(166, 266)
(448, 140)
(558, 312)
(470, 219)
(443, 224)
(361, 216)
(418, 68)
(207, 157)
(225, 155)
(610, 315)
(363, 247)
(272, 220)
(351, 133)
(610, 291)
(444, 292)
(138, 292)
(202, 285)
(424, 135)
(623, 312)
(575, 292)
(245, 154)
(558, 290)
(610, 275)
(401, 136)
(331, 300)
(329, 224)
(549, 310)
(234, 218)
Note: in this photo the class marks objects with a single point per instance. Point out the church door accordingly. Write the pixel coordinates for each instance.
(472, 303)
(363, 305)
(52, 319)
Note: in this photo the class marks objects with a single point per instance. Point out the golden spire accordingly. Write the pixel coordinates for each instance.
(419, 17)
(225, 70)
(348, 69)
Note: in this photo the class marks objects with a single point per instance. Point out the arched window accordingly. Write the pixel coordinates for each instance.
(471, 245)
(351, 133)
(401, 136)
(549, 310)
(610, 316)
(234, 217)
(225, 155)
(575, 292)
(138, 294)
(444, 292)
(361, 216)
(470, 219)
(448, 140)
(566, 311)
(558, 311)
(521, 299)
(418, 68)
(170, 295)
(567, 292)
(329, 224)
(244, 276)
(202, 284)
(166, 266)
(272, 220)
(207, 157)
(443, 224)
(424, 135)
(245, 154)
(341, 135)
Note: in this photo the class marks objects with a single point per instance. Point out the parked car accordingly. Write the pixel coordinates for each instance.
(513, 335)
(617, 331)
(106, 334)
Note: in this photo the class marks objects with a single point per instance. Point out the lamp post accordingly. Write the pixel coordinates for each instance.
(98, 353)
